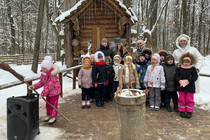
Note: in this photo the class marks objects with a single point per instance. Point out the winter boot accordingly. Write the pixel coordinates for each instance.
(157, 108)
(98, 104)
(168, 107)
(88, 104)
(102, 104)
(188, 115)
(83, 104)
(182, 114)
(152, 107)
(52, 120)
(47, 118)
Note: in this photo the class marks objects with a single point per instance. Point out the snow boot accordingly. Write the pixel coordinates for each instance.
(52, 120)
(83, 104)
(188, 115)
(182, 114)
(157, 108)
(47, 118)
(88, 104)
(152, 107)
(102, 104)
(168, 107)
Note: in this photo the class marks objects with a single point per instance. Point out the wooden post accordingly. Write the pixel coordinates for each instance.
(74, 78)
(61, 82)
(28, 90)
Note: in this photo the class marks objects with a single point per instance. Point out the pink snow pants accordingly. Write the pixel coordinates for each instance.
(54, 101)
(186, 101)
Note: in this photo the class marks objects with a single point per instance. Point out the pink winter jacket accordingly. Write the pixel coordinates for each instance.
(50, 82)
(85, 78)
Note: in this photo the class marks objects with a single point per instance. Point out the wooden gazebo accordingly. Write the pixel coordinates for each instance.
(91, 20)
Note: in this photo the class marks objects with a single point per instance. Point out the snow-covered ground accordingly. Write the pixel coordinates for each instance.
(202, 99)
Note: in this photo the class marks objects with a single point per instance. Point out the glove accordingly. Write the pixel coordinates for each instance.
(31, 87)
(95, 84)
(162, 87)
(107, 82)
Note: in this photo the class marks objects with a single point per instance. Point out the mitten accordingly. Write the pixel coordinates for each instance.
(31, 87)
(107, 82)
(95, 84)
(162, 87)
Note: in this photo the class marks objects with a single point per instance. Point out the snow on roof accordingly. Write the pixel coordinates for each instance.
(68, 13)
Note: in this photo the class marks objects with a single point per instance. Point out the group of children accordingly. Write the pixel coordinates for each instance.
(100, 77)
(156, 72)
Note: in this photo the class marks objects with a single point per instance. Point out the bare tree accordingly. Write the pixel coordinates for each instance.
(38, 36)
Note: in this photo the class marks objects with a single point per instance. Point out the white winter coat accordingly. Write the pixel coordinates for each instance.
(156, 76)
(178, 52)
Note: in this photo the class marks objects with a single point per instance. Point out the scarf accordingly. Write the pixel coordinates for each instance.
(100, 63)
(86, 67)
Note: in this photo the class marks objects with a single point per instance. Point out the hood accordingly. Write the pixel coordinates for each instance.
(104, 48)
(169, 56)
(53, 71)
(96, 56)
(178, 39)
(86, 56)
(191, 56)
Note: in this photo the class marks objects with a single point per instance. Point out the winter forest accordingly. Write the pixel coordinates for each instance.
(25, 23)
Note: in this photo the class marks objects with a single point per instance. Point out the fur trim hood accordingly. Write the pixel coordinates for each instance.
(191, 56)
(117, 57)
(163, 52)
(147, 50)
(178, 40)
(96, 56)
(169, 57)
(53, 72)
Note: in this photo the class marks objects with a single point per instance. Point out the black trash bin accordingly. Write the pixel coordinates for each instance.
(23, 117)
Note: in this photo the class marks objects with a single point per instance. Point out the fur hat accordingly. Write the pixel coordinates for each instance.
(104, 40)
(48, 58)
(116, 40)
(163, 53)
(156, 56)
(147, 50)
(117, 57)
(188, 56)
(46, 64)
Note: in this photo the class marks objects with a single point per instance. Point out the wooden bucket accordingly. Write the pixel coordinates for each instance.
(131, 115)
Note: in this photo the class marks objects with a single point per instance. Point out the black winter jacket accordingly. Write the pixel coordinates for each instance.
(110, 73)
(106, 51)
(99, 73)
(170, 71)
(186, 74)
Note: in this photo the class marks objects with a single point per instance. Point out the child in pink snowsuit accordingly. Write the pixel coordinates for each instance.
(185, 76)
(52, 88)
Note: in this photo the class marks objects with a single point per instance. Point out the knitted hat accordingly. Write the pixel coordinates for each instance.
(141, 54)
(104, 40)
(128, 57)
(48, 58)
(116, 39)
(100, 55)
(86, 59)
(183, 38)
(156, 56)
(46, 64)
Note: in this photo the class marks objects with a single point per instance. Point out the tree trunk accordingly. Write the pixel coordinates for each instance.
(22, 31)
(38, 36)
(200, 30)
(164, 28)
(208, 43)
(68, 44)
(153, 18)
(12, 28)
(193, 23)
(184, 16)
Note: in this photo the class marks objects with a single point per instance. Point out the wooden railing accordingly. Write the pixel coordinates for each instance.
(31, 79)
(19, 59)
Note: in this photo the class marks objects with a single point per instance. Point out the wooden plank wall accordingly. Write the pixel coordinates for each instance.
(96, 22)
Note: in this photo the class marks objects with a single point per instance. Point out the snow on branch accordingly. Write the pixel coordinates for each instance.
(154, 26)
